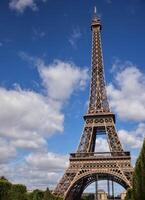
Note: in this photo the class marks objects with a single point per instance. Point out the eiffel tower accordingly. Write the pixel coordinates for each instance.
(87, 166)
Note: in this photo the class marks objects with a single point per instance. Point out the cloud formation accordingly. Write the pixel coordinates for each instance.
(28, 113)
(7, 151)
(75, 36)
(61, 79)
(127, 93)
(41, 169)
(38, 34)
(109, 1)
(132, 139)
(47, 161)
(28, 119)
(102, 145)
(21, 5)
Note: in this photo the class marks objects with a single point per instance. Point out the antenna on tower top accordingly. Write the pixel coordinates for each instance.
(96, 19)
(95, 10)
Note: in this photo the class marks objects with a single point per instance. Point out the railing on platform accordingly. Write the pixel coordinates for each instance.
(99, 154)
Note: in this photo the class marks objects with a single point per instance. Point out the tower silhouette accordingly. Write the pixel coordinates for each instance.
(87, 166)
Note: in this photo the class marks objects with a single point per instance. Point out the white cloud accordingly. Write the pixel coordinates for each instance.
(29, 118)
(127, 94)
(21, 5)
(130, 139)
(102, 145)
(37, 143)
(133, 139)
(26, 117)
(75, 36)
(61, 79)
(7, 151)
(41, 169)
(47, 161)
(38, 34)
(1, 44)
(109, 1)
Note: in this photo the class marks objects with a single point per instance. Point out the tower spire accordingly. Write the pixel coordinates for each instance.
(96, 19)
(98, 98)
(95, 10)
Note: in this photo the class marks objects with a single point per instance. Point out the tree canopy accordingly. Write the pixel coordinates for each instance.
(138, 189)
(9, 191)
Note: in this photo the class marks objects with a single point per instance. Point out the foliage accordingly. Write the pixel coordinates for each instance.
(30, 196)
(139, 176)
(35, 195)
(40, 195)
(3, 178)
(129, 194)
(47, 194)
(5, 188)
(138, 189)
(142, 157)
(87, 197)
(18, 192)
(9, 191)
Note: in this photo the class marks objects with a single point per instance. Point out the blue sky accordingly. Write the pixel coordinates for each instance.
(45, 62)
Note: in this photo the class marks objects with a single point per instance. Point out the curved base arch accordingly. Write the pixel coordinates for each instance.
(82, 182)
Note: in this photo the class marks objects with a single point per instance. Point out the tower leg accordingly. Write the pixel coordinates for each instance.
(96, 183)
(112, 190)
(108, 187)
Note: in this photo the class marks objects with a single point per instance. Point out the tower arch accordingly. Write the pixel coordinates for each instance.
(87, 178)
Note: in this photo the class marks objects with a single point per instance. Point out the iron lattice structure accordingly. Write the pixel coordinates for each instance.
(86, 166)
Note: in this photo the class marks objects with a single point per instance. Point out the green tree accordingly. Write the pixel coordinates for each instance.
(3, 178)
(142, 158)
(129, 194)
(5, 187)
(38, 194)
(139, 176)
(138, 189)
(29, 196)
(47, 194)
(18, 192)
